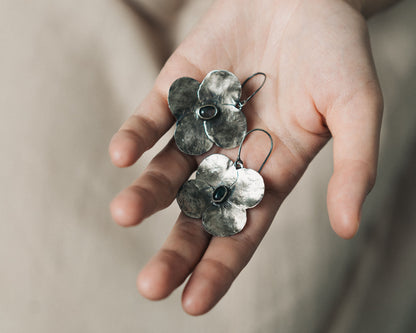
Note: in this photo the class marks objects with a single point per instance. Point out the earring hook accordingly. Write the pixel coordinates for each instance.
(239, 163)
(242, 103)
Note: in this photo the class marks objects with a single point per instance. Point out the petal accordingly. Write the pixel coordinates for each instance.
(224, 220)
(220, 87)
(228, 128)
(190, 135)
(248, 191)
(193, 198)
(183, 96)
(216, 170)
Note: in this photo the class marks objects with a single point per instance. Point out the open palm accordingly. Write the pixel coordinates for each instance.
(321, 83)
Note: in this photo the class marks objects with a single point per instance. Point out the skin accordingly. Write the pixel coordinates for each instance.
(321, 84)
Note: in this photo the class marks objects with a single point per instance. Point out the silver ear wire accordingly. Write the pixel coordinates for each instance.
(240, 104)
(239, 163)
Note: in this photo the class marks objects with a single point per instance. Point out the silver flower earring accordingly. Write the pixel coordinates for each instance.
(209, 112)
(222, 191)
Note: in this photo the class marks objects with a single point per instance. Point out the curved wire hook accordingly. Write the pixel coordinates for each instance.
(239, 163)
(242, 103)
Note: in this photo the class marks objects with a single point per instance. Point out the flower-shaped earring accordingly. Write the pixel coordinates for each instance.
(221, 193)
(209, 112)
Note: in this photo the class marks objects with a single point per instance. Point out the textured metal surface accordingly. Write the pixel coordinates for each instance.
(217, 170)
(249, 188)
(228, 128)
(183, 96)
(193, 198)
(224, 220)
(227, 216)
(220, 87)
(190, 135)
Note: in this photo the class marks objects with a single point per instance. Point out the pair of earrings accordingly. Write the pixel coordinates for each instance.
(210, 113)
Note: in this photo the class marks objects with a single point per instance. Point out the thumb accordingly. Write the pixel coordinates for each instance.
(355, 126)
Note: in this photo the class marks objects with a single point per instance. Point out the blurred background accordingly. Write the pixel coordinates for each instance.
(70, 73)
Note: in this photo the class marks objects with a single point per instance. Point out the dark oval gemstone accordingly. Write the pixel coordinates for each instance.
(207, 112)
(220, 194)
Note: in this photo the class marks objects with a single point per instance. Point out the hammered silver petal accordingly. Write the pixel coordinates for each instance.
(217, 170)
(220, 87)
(193, 198)
(224, 220)
(228, 128)
(183, 95)
(248, 191)
(190, 135)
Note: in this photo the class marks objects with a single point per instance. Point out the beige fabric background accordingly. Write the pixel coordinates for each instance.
(70, 73)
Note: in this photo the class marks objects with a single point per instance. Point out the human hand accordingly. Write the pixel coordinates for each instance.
(321, 83)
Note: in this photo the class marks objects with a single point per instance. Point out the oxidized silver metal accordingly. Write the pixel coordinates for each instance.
(220, 195)
(207, 113)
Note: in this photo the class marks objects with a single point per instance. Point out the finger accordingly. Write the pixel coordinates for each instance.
(141, 130)
(355, 127)
(224, 259)
(152, 118)
(175, 261)
(155, 189)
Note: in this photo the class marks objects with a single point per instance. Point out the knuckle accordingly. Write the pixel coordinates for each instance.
(245, 241)
(218, 268)
(190, 230)
(146, 130)
(163, 184)
(170, 256)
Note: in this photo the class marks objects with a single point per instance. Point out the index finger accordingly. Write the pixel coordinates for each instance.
(152, 118)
